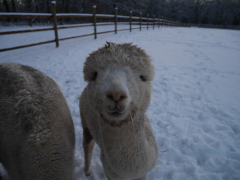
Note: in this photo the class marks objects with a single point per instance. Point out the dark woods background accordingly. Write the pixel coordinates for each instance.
(218, 12)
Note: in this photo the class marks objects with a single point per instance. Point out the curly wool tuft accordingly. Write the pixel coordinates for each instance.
(122, 54)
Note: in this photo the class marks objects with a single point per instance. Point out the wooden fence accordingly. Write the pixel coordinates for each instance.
(143, 22)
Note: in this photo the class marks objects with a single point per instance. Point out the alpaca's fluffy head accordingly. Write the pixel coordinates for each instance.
(119, 80)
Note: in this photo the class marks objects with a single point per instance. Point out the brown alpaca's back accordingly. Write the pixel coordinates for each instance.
(37, 138)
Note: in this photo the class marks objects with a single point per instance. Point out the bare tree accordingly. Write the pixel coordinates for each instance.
(186, 11)
(7, 8)
(14, 8)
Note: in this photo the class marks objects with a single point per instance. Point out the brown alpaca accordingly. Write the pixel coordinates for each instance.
(37, 137)
(112, 109)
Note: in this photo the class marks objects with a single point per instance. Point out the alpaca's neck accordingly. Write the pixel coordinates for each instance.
(123, 152)
(128, 135)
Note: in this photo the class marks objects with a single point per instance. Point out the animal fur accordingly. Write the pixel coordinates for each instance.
(112, 109)
(37, 137)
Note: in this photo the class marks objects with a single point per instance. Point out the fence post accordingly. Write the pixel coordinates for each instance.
(140, 21)
(130, 21)
(116, 10)
(94, 21)
(147, 20)
(55, 22)
(162, 22)
(158, 21)
(153, 20)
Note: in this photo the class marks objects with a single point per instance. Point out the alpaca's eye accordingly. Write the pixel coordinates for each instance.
(142, 78)
(95, 75)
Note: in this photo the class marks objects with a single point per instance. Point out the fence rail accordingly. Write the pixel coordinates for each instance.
(160, 21)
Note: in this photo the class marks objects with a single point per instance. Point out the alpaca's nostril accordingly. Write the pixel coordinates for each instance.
(122, 97)
(116, 96)
(110, 97)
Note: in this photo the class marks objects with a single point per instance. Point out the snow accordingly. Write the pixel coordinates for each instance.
(124, 17)
(73, 14)
(195, 107)
(25, 14)
(105, 15)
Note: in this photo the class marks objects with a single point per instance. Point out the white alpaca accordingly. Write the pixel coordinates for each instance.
(112, 109)
(37, 137)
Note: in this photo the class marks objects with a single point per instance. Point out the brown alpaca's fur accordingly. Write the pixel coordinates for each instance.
(37, 137)
(112, 109)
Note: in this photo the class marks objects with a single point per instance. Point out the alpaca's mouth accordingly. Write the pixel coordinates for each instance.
(116, 114)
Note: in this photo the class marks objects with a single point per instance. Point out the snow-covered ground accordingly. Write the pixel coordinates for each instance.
(195, 107)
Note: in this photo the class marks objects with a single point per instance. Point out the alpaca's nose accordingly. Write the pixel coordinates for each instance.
(116, 95)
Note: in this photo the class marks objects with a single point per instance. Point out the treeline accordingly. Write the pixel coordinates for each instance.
(219, 12)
